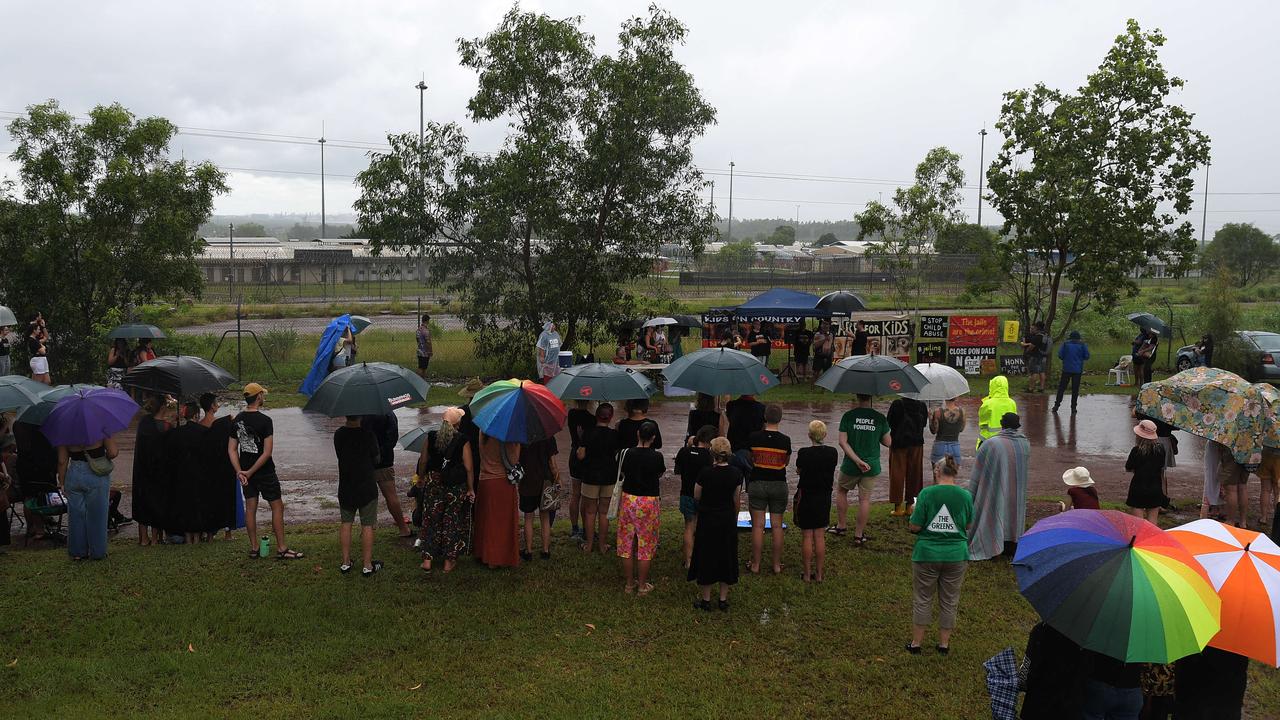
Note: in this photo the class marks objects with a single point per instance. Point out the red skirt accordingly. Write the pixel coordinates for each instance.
(497, 523)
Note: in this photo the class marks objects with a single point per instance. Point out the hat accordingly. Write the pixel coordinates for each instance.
(254, 389)
(473, 386)
(1075, 335)
(1077, 477)
(1010, 421)
(1145, 429)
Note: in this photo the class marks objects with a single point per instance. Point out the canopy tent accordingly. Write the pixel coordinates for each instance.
(778, 302)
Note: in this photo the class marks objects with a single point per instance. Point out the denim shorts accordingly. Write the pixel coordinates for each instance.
(941, 448)
(688, 507)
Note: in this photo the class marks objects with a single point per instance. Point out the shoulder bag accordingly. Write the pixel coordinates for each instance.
(551, 492)
(617, 488)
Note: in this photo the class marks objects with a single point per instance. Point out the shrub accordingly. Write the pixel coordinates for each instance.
(279, 343)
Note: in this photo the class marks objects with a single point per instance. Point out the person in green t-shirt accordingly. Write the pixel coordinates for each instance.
(862, 432)
(941, 522)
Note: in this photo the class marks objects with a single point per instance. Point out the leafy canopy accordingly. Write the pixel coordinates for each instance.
(1246, 253)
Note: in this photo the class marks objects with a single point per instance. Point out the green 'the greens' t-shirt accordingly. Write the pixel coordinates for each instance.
(943, 513)
(864, 427)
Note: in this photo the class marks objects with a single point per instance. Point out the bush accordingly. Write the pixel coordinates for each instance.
(279, 343)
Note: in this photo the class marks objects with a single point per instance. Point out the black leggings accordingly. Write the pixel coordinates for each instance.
(1062, 386)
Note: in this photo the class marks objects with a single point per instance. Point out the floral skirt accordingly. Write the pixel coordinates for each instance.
(446, 519)
(638, 520)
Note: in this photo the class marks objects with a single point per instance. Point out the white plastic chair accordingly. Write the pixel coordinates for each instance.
(1122, 372)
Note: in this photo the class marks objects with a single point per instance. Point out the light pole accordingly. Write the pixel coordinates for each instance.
(322, 224)
(1204, 211)
(982, 151)
(797, 233)
(422, 89)
(730, 233)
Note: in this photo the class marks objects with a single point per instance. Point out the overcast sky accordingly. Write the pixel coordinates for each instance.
(852, 90)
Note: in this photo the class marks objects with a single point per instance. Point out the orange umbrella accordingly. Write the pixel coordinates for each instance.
(1244, 567)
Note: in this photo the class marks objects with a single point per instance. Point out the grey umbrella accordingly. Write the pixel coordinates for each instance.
(720, 371)
(18, 392)
(872, 375)
(36, 414)
(412, 440)
(135, 330)
(598, 381)
(7, 318)
(1147, 321)
(374, 388)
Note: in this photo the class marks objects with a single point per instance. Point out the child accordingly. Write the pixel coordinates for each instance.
(811, 512)
(358, 452)
(1084, 496)
(690, 462)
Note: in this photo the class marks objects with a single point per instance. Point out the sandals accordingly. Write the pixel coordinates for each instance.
(913, 649)
(837, 531)
(860, 541)
(345, 568)
(253, 554)
(368, 572)
(288, 554)
(644, 589)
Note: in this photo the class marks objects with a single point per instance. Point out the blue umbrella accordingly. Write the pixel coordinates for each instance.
(85, 417)
(720, 371)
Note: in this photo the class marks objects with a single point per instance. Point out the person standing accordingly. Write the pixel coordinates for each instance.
(822, 347)
(37, 472)
(226, 503)
(1268, 496)
(861, 339)
(994, 406)
(386, 429)
(250, 451)
(629, 426)
(425, 350)
(6, 348)
(1035, 348)
(1072, 353)
(704, 412)
(1204, 350)
(497, 524)
(548, 352)
(1210, 685)
(692, 459)
(38, 351)
(119, 360)
(940, 522)
(745, 416)
(1234, 478)
(761, 343)
(358, 453)
(767, 489)
(638, 510)
(907, 420)
(863, 430)
(87, 490)
(1144, 354)
(580, 420)
(539, 462)
(800, 350)
(599, 456)
(1146, 462)
(151, 472)
(946, 423)
(186, 464)
(715, 541)
(816, 466)
(999, 488)
(445, 464)
(144, 351)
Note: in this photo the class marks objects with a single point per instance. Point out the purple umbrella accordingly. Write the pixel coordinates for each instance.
(86, 417)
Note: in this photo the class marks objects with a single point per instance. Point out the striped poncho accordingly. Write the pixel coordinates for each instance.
(999, 487)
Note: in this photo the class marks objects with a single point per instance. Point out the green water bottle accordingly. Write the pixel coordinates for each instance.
(264, 546)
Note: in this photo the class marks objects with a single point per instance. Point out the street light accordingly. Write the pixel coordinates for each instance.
(982, 150)
(321, 141)
(422, 89)
(730, 233)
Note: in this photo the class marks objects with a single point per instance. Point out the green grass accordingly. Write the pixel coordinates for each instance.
(202, 631)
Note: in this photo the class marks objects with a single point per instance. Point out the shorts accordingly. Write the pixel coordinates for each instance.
(268, 486)
(1035, 364)
(423, 362)
(1269, 470)
(597, 492)
(688, 508)
(863, 483)
(384, 475)
(39, 365)
(368, 513)
(1231, 473)
(768, 495)
(638, 520)
(530, 503)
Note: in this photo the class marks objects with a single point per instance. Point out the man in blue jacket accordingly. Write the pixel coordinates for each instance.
(1072, 353)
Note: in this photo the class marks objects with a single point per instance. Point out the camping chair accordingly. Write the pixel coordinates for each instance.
(51, 513)
(1122, 372)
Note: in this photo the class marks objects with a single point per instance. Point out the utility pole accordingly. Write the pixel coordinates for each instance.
(730, 233)
(422, 126)
(1204, 211)
(797, 234)
(982, 151)
(323, 229)
(231, 263)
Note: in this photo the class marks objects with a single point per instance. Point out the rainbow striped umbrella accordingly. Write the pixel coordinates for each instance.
(1117, 585)
(1244, 567)
(519, 411)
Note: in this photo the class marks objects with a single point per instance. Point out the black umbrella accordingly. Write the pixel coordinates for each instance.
(841, 302)
(687, 321)
(177, 375)
(872, 375)
(1147, 321)
(135, 330)
(374, 388)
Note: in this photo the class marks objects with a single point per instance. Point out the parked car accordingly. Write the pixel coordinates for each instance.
(1262, 349)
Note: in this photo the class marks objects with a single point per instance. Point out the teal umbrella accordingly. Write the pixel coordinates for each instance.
(872, 375)
(18, 392)
(720, 371)
(1147, 321)
(359, 323)
(135, 330)
(35, 414)
(598, 381)
(412, 440)
(374, 388)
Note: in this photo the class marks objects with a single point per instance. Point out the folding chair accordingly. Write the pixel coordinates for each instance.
(51, 513)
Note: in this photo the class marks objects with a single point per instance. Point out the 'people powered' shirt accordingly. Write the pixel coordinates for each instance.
(253, 427)
(864, 427)
(770, 453)
(943, 513)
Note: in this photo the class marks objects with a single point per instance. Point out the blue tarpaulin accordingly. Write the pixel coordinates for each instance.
(324, 354)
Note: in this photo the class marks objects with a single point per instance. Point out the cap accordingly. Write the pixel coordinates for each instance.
(254, 389)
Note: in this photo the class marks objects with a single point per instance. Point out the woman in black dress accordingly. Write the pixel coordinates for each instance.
(184, 452)
(150, 473)
(703, 413)
(715, 542)
(816, 466)
(1146, 462)
(222, 500)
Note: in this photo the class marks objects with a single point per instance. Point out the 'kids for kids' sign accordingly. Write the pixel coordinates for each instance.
(972, 341)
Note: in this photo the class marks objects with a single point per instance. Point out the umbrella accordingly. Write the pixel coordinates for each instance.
(1147, 321)
(1117, 585)
(841, 302)
(374, 388)
(412, 440)
(1244, 567)
(36, 414)
(518, 411)
(7, 318)
(135, 330)
(177, 375)
(359, 323)
(659, 321)
(945, 382)
(872, 375)
(598, 381)
(17, 392)
(1214, 404)
(85, 417)
(688, 321)
(720, 371)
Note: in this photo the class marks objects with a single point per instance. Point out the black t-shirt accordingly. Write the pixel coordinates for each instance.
(804, 341)
(629, 433)
(761, 345)
(4, 345)
(690, 462)
(253, 427)
(357, 451)
(536, 460)
(745, 417)
(642, 468)
(718, 483)
(860, 342)
(700, 418)
(387, 431)
(601, 448)
(907, 420)
(770, 453)
(33, 346)
(579, 422)
(816, 466)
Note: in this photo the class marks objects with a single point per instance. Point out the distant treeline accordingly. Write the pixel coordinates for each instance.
(807, 233)
(282, 226)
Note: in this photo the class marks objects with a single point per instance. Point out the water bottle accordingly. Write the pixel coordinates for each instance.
(264, 546)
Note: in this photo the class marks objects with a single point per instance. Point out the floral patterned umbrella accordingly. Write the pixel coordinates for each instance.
(1217, 405)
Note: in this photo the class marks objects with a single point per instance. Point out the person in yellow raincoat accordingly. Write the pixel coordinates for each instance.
(994, 406)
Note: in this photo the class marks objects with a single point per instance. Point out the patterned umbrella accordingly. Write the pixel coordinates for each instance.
(1217, 405)
(518, 411)
(720, 371)
(1118, 585)
(598, 381)
(1244, 567)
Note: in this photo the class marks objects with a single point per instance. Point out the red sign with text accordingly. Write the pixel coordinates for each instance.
(973, 331)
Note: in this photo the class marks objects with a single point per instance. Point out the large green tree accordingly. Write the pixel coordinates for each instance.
(1091, 183)
(1248, 254)
(595, 175)
(906, 234)
(100, 218)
